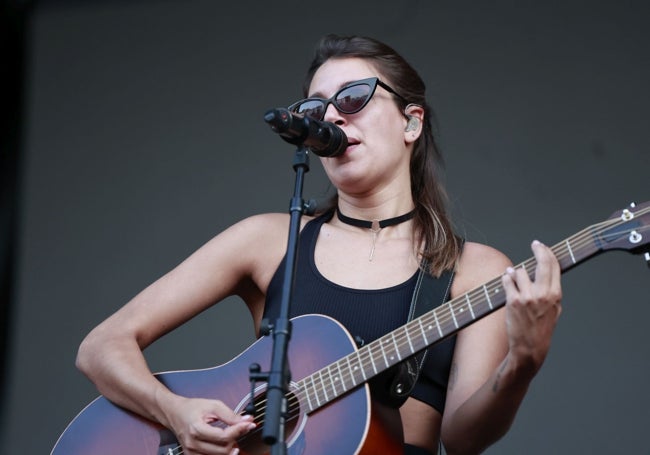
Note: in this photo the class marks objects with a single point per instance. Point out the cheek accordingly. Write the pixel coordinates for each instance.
(387, 134)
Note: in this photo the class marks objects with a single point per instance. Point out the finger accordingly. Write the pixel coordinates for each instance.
(548, 274)
(520, 292)
(238, 430)
(508, 282)
(225, 433)
(228, 416)
(547, 265)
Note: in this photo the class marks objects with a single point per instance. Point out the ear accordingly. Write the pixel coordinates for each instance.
(414, 122)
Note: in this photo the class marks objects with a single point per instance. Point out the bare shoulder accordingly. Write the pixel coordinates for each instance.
(478, 264)
(255, 240)
(260, 234)
(256, 244)
(260, 227)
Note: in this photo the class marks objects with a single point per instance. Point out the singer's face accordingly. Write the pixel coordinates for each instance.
(377, 156)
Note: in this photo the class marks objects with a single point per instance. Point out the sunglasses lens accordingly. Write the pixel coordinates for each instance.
(348, 100)
(311, 108)
(353, 99)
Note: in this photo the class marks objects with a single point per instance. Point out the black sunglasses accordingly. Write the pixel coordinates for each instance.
(349, 100)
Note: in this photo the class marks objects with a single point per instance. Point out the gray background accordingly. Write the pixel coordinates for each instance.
(144, 138)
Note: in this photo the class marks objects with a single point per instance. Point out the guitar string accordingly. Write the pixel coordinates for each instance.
(581, 239)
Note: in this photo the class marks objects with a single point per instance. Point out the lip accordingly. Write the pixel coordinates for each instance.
(352, 142)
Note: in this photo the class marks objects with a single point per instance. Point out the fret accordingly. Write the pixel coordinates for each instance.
(360, 365)
(568, 245)
(323, 386)
(313, 386)
(332, 379)
(453, 316)
(469, 304)
(352, 371)
(435, 316)
(372, 358)
(308, 395)
(408, 338)
(395, 347)
(487, 296)
(383, 353)
(424, 335)
(338, 367)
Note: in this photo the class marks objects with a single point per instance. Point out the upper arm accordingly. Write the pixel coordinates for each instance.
(235, 261)
(481, 346)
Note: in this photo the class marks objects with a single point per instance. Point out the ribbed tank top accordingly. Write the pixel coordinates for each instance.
(367, 314)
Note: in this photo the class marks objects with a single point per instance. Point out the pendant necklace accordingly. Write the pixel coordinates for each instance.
(375, 225)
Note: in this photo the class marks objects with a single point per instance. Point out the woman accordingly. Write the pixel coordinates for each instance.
(388, 172)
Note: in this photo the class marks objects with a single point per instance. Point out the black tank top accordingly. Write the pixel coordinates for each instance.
(366, 313)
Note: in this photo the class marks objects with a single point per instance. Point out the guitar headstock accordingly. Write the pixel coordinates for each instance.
(627, 229)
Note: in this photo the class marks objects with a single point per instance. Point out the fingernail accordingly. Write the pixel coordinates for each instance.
(510, 271)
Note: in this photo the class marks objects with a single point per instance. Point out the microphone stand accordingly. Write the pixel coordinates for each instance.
(279, 375)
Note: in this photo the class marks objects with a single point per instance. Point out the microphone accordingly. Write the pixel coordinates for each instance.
(323, 138)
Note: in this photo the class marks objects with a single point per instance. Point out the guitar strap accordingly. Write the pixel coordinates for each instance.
(429, 293)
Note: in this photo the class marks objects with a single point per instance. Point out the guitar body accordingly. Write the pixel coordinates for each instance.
(347, 425)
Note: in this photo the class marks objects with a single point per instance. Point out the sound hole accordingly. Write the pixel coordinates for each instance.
(252, 443)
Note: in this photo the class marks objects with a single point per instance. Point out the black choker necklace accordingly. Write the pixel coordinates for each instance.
(375, 225)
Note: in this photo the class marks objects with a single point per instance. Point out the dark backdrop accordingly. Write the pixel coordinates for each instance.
(143, 137)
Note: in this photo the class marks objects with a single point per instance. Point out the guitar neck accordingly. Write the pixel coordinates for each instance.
(446, 320)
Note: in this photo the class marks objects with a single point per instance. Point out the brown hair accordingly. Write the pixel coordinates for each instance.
(433, 226)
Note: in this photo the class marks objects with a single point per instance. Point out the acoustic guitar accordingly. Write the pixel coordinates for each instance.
(329, 406)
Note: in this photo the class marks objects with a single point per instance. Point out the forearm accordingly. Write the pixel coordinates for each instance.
(488, 414)
(119, 371)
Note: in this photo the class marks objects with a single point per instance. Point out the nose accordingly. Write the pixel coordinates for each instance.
(333, 115)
